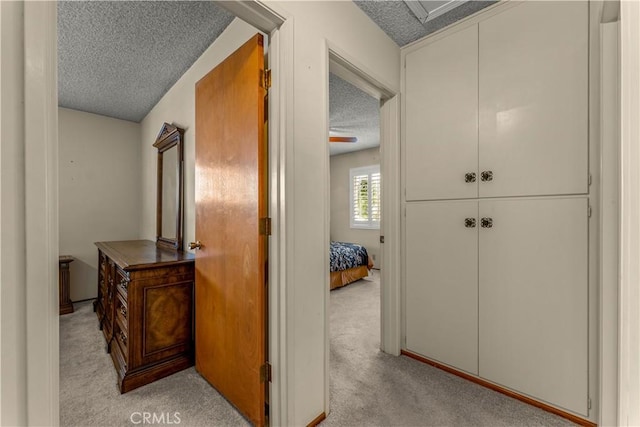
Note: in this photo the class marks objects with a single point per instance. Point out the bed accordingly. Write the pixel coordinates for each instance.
(348, 262)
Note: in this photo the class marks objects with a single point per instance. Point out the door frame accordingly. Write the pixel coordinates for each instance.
(629, 232)
(39, 403)
(279, 51)
(347, 68)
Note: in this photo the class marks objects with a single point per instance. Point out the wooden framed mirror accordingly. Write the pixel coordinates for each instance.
(169, 210)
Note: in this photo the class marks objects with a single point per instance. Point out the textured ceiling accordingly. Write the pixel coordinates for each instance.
(395, 18)
(352, 112)
(118, 58)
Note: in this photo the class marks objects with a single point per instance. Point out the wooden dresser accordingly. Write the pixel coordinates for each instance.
(145, 309)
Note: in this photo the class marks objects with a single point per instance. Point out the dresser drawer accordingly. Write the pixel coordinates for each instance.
(121, 337)
(122, 312)
(122, 283)
(120, 362)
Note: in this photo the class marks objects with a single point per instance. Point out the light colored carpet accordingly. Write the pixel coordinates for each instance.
(89, 395)
(368, 387)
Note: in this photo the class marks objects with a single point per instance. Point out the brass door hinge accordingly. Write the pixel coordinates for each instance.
(265, 373)
(265, 226)
(266, 79)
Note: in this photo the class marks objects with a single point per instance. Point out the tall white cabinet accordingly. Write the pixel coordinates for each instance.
(533, 89)
(496, 155)
(441, 110)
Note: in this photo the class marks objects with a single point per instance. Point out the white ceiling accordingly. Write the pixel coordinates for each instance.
(118, 58)
(396, 19)
(352, 112)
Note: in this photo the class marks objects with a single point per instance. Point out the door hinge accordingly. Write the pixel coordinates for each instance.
(265, 373)
(266, 78)
(266, 409)
(590, 179)
(381, 239)
(589, 211)
(589, 403)
(265, 226)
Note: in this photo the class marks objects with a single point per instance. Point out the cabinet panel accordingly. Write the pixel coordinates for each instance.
(442, 118)
(533, 290)
(442, 283)
(533, 73)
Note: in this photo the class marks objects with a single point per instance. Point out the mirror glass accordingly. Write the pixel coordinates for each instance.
(169, 196)
(169, 192)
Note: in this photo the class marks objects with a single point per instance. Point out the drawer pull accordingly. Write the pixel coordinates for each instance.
(486, 176)
(486, 222)
(123, 337)
(470, 177)
(470, 222)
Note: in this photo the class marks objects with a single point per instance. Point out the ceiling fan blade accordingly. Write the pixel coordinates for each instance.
(343, 139)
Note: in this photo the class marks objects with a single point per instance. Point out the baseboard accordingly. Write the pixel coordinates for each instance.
(320, 418)
(573, 418)
(84, 300)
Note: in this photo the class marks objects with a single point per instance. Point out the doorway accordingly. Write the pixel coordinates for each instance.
(175, 115)
(363, 314)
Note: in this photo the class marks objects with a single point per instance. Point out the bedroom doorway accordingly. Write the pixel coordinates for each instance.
(361, 122)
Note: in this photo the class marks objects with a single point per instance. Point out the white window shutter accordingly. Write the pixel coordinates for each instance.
(365, 197)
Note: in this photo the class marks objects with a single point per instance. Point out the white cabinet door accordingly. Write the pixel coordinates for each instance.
(533, 289)
(441, 110)
(533, 102)
(442, 283)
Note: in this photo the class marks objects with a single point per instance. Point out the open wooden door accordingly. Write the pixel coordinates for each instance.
(231, 161)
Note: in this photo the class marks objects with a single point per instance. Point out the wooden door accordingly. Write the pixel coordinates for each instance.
(442, 118)
(534, 87)
(230, 202)
(533, 298)
(442, 282)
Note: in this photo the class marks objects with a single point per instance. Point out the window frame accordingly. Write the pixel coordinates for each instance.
(371, 224)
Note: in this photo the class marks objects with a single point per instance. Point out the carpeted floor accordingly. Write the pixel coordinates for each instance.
(372, 388)
(89, 395)
(368, 387)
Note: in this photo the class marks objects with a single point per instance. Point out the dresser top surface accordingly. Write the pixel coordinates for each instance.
(138, 254)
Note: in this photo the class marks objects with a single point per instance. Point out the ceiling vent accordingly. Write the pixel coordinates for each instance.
(426, 10)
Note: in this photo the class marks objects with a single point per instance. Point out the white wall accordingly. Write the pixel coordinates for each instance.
(13, 349)
(629, 326)
(177, 106)
(317, 25)
(99, 162)
(340, 196)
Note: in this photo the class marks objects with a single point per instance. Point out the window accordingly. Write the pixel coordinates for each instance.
(365, 197)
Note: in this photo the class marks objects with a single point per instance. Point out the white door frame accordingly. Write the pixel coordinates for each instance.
(40, 402)
(347, 68)
(629, 316)
(41, 213)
